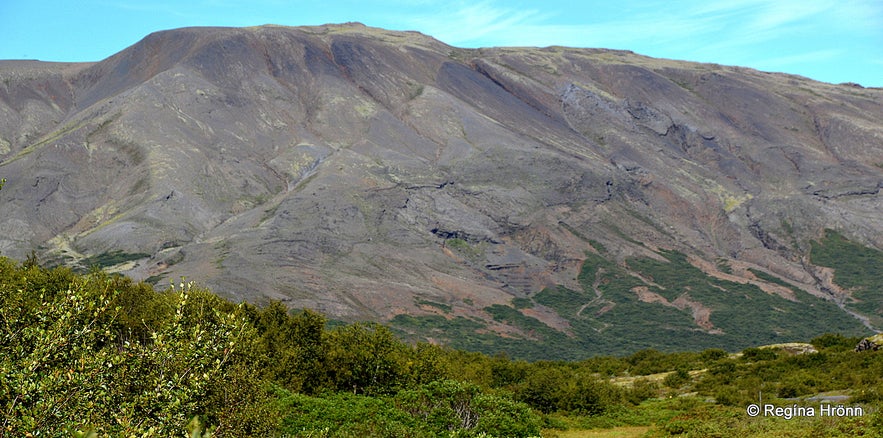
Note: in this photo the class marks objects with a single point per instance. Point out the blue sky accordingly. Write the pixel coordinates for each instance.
(828, 40)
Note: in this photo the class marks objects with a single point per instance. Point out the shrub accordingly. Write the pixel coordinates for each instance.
(345, 415)
(461, 409)
(642, 389)
(677, 378)
(365, 359)
(543, 389)
(590, 396)
(444, 405)
(834, 342)
(730, 396)
(754, 354)
(713, 354)
(65, 365)
(500, 416)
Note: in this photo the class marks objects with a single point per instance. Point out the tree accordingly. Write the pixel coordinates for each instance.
(291, 348)
(366, 359)
(543, 388)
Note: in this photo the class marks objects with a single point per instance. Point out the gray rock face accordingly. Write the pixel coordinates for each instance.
(357, 171)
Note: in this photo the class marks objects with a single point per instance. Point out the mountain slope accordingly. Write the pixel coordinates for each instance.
(368, 174)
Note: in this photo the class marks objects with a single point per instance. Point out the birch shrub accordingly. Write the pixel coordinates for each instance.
(67, 365)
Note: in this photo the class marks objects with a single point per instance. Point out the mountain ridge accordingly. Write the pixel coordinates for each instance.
(365, 172)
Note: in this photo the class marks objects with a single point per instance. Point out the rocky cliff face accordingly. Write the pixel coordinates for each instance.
(365, 173)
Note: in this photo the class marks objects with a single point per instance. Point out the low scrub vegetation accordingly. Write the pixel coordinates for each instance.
(100, 355)
(857, 268)
(641, 302)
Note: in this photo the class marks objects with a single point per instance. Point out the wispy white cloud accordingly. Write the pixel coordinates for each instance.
(813, 57)
(463, 23)
(682, 22)
(783, 35)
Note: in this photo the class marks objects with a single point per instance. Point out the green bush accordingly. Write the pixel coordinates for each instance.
(834, 342)
(500, 416)
(642, 389)
(345, 415)
(290, 350)
(754, 354)
(67, 363)
(587, 395)
(441, 408)
(543, 389)
(366, 359)
(446, 405)
(677, 378)
(711, 355)
(730, 396)
(462, 408)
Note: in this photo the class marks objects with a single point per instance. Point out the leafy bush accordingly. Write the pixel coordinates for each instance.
(365, 359)
(500, 416)
(756, 354)
(589, 396)
(440, 408)
(642, 389)
(444, 406)
(345, 415)
(677, 378)
(66, 364)
(834, 342)
(451, 406)
(543, 389)
(290, 349)
(713, 354)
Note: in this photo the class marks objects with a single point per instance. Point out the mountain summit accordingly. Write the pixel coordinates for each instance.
(385, 175)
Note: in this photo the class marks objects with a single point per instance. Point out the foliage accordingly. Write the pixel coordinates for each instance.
(67, 363)
(607, 315)
(676, 378)
(365, 359)
(500, 416)
(722, 421)
(345, 415)
(857, 268)
(452, 406)
(522, 303)
(291, 349)
(834, 342)
(99, 355)
(435, 409)
(112, 258)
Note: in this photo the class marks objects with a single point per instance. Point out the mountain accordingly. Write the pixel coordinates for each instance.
(495, 198)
